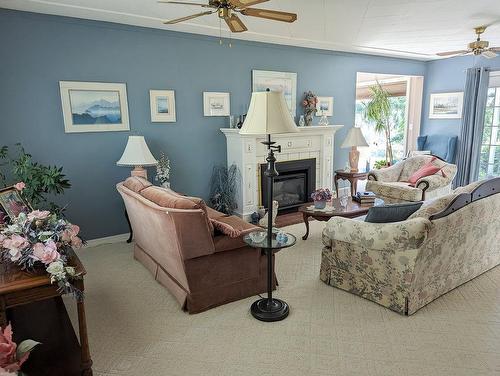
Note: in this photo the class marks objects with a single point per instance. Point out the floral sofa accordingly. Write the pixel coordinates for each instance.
(406, 265)
(391, 184)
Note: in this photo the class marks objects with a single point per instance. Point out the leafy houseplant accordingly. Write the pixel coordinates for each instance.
(378, 110)
(40, 181)
(223, 188)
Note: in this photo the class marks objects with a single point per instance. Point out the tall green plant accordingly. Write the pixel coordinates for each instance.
(378, 111)
(41, 181)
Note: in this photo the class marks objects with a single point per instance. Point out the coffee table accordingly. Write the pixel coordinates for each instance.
(352, 210)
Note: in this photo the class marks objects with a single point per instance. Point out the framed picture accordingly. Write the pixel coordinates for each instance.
(162, 106)
(216, 104)
(446, 105)
(324, 106)
(277, 81)
(12, 204)
(94, 106)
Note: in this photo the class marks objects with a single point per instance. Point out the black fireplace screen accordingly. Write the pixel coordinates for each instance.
(293, 186)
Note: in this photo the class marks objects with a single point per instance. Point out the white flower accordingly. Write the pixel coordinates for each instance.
(15, 254)
(71, 271)
(56, 268)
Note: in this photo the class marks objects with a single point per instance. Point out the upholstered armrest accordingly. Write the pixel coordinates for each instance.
(432, 182)
(390, 173)
(389, 237)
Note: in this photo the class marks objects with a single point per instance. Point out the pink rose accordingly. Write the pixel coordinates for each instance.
(76, 242)
(15, 244)
(20, 186)
(304, 103)
(38, 214)
(8, 357)
(70, 233)
(46, 253)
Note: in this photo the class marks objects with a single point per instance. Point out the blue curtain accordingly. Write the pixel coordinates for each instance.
(471, 132)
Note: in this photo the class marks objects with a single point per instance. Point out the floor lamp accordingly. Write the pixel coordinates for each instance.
(268, 114)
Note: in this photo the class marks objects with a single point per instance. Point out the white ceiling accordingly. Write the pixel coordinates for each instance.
(403, 28)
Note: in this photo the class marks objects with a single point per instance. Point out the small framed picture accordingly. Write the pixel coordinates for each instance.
(324, 106)
(216, 104)
(446, 105)
(162, 106)
(94, 106)
(12, 204)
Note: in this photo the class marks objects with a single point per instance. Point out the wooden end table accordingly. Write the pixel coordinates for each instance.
(353, 178)
(352, 210)
(20, 288)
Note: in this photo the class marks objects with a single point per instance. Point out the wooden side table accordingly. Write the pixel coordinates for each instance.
(353, 178)
(19, 288)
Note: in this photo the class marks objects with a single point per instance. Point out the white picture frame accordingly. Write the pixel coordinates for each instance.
(324, 106)
(285, 82)
(446, 105)
(94, 106)
(216, 104)
(162, 103)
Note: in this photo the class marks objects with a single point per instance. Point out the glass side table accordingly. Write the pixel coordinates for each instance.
(270, 309)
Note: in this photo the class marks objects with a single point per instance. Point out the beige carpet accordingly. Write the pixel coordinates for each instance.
(137, 328)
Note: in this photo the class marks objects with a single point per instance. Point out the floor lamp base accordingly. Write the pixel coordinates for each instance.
(276, 311)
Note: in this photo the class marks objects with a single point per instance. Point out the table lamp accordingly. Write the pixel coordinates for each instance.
(354, 139)
(269, 114)
(137, 154)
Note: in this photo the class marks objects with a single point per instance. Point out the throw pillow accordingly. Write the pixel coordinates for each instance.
(392, 213)
(232, 226)
(426, 170)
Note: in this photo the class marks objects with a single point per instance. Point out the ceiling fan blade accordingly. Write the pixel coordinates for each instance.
(489, 54)
(235, 24)
(450, 53)
(246, 3)
(183, 3)
(177, 20)
(269, 14)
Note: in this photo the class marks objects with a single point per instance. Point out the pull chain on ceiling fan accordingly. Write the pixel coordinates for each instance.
(478, 47)
(227, 9)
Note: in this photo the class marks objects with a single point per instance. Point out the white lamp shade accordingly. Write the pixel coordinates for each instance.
(268, 114)
(137, 153)
(354, 138)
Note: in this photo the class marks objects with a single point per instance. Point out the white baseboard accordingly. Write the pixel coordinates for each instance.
(107, 240)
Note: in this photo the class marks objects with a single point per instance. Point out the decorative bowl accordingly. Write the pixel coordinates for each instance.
(257, 236)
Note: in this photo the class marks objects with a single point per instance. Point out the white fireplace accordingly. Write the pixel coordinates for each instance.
(247, 153)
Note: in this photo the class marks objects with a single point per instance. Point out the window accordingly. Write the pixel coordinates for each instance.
(489, 165)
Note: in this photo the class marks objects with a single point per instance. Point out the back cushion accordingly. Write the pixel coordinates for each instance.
(392, 213)
(136, 183)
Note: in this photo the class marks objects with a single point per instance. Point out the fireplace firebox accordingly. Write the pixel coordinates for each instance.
(294, 185)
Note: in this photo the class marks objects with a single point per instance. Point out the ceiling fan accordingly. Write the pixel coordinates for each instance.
(227, 9)
(478, 47)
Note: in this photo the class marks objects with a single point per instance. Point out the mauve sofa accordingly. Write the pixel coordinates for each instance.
(176, 242)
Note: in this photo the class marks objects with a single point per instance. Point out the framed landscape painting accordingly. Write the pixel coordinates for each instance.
(162, 106)
(277, 81)
(94, 106)
(324, 106)
(216, 104)
(446, 105)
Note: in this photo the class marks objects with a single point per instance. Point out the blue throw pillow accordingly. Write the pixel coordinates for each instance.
(392, 213)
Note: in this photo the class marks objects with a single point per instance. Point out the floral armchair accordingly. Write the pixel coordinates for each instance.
(391, 183)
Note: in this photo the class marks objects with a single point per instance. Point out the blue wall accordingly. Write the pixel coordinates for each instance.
(448, 75)
(39, 50)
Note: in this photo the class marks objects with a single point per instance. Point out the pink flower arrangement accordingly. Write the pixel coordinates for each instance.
(20, 186)
(13, 356)
(42, 238)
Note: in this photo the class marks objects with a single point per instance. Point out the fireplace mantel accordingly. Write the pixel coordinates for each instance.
(247, 153)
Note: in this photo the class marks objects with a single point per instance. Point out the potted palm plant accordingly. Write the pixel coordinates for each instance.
(378, 111)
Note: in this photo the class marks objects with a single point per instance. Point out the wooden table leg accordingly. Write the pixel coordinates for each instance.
(306, 221)
(86, 366)
(3, 313)
(336, 181)
(354, 186)
(129, 240)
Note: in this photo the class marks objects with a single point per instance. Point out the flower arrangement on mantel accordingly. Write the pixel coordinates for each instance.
(12, 356)
(41, 238)
(309, 103)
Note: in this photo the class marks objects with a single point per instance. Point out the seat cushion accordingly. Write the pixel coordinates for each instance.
(136, 183)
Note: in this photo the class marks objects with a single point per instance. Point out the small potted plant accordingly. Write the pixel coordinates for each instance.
(320, 197)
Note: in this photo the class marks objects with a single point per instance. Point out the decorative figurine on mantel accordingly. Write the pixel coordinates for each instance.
(309, 103)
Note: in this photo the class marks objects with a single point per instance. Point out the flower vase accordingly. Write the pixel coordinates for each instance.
(320, 204)
(308, 119)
